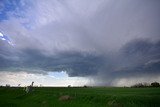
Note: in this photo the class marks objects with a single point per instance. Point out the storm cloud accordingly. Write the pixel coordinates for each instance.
(105, 40)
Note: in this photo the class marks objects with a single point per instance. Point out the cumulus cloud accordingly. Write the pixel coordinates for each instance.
(107, 40)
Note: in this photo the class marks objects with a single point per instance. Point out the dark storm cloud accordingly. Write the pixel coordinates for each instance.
(144, 55)
(138, 57)
(75, 63)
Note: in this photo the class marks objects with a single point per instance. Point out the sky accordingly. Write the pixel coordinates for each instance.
(79, 42)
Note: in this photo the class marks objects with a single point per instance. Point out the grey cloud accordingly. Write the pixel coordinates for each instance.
(135, 58)
(107, 39)
(107, 25)
(74, 63)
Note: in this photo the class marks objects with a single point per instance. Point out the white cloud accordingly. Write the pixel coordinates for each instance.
(53, 79)
(69, 25)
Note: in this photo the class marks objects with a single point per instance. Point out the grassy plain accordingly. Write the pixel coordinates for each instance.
(80, 97)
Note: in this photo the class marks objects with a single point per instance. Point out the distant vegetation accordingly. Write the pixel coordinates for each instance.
(139, 85)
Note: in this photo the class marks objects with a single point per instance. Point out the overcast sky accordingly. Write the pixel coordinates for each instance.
(93, 42)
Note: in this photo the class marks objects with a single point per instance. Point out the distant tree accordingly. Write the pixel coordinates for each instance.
(137, 85)
(85, 86)
(155, 84)
(69, 85)
(146, 84)
(7, 85)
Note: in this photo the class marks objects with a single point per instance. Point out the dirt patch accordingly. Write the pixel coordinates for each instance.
(113, 103)
(44, 102)
(65, 98)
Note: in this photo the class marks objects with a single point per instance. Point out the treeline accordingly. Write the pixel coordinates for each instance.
(139, 85)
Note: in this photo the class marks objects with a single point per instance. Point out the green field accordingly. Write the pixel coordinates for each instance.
(80, 97)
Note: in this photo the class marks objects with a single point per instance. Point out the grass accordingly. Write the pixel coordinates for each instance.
(80, 97)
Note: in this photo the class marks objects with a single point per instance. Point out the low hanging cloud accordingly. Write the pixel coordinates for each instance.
(106, 40)
(137, 58)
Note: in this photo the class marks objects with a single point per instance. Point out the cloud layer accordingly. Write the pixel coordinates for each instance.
(105, 40)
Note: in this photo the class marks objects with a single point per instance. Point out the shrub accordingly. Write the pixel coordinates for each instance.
(155, 84)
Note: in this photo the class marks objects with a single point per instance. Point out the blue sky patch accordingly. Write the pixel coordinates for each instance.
(13, 7)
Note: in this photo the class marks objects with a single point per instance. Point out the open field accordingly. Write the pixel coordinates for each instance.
(80, 97)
